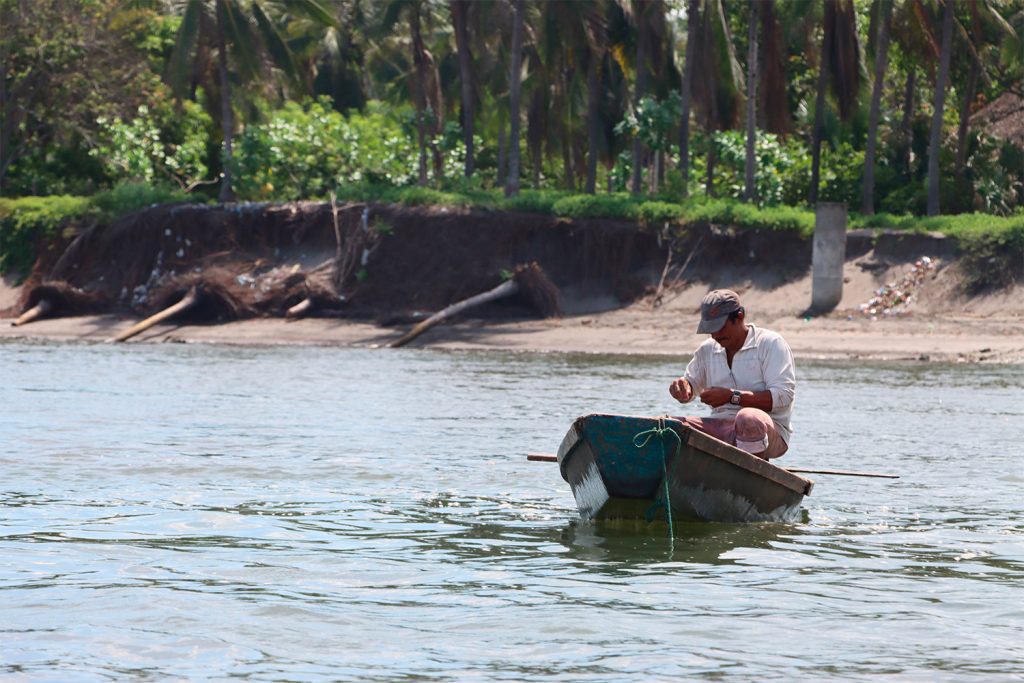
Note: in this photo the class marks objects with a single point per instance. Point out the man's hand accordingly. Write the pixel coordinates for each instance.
(681, 390)
(715, 396)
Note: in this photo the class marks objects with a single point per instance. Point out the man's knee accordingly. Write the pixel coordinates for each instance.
(752, 430)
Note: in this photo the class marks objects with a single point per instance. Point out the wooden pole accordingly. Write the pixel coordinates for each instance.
(844, 473)
(547, 457)
(507, 288)
(42, 307)
(190, 299)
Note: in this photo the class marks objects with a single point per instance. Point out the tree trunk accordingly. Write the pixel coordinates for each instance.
(568, 174)
(906, 133)
(881, 62)
(965, 120)
(594, 94)
(515, 82)
(692, 14)
(640, 89)
(750, 187)
(502, 154)
(35, 313)
(191, 298)
(977, 71)
(819, 102)
(419, 88)
(227, 114)
(940, 101)
(709, 181)
(460, 15)
(507, 288)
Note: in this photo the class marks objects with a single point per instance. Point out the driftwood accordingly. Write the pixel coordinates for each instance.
(57, 296)
(40, 310)
(191, 298)
(507, 288)
(300, 309)
(528, 278)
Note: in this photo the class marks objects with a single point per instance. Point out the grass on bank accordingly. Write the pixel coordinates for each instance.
(992, 246)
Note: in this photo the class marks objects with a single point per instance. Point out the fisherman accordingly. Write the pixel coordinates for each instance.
(745, 373)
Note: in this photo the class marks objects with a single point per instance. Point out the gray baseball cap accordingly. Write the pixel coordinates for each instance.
(715, 310)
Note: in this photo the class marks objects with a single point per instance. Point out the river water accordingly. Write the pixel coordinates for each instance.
(200, 512)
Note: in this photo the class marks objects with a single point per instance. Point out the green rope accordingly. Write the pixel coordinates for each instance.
(641, 440)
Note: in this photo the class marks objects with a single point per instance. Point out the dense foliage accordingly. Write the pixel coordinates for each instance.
(411, 101)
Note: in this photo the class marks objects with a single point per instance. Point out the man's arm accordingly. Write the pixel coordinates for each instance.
(719, 396)
(779, 372)
(684, 388)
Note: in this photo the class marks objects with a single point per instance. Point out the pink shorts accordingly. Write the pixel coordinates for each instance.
(752, 430)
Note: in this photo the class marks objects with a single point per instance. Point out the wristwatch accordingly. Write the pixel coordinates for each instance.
(735, 399)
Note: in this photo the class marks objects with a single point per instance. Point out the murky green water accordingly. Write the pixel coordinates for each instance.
(317, 513)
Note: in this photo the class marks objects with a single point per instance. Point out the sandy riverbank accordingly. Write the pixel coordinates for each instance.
(632, 330)
(432, 259)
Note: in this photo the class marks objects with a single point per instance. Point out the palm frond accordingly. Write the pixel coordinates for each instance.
(279, 51)
(180, 66)
(241, 40)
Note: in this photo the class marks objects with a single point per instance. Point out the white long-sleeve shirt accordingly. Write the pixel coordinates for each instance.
(763, 363)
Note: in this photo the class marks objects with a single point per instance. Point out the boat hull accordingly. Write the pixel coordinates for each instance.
(616, 475)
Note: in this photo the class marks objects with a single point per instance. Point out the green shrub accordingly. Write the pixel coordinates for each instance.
(302, 151)
(25, 221)
(659, 213)
(426, 196)
(535, 201)
(159, 144)
(124, 198)
(739, 214)
(618, 205)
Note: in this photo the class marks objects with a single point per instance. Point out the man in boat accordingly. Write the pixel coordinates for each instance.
(745, 373)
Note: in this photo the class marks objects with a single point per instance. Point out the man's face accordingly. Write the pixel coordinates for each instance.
(733, 333)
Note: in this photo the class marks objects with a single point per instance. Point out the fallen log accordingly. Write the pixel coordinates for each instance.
(57, 297)
(507, 288)
(191, 298)
(299, 310)
(42, 307)
(527, 278)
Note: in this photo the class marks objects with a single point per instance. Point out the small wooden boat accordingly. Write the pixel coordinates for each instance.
(624, 467)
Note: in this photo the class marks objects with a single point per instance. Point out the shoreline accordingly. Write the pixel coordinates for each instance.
(634, 330)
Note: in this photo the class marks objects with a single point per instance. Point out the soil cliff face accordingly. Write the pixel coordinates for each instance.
(428, 258)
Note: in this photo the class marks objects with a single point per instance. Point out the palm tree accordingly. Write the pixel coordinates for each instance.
(335, 61)
(976, 40)
(881, 61)
(227, 24)
(460, 10)
(773, 112)
(717, 93)
(596, 25)
(515, 81)
(651, 34)
(424, 81)
(750, 189)
(940, 101)
(840, 68)
(692, 25)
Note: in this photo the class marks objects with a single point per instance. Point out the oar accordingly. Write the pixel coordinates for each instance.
(845, 473)
(547, 457)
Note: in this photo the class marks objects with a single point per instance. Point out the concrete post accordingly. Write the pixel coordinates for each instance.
(828, 256)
